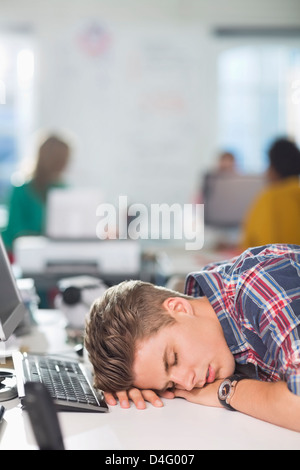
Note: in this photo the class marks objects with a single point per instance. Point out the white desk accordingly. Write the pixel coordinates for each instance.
(177, 425)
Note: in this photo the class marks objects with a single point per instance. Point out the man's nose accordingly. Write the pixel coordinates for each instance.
(182, 379)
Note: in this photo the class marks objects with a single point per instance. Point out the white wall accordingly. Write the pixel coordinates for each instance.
(143, 108)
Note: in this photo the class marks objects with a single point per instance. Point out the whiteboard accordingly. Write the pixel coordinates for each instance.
(133, 98)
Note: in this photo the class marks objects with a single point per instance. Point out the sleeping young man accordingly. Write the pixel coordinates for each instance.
(233, 340)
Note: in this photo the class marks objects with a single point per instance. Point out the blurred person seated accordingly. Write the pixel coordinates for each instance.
(27, 205)
(275, 214)
(226, 165)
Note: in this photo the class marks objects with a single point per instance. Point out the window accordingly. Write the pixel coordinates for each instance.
(16, 106)
(259, 100)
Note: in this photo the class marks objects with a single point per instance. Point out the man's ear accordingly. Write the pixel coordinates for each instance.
(175, 305)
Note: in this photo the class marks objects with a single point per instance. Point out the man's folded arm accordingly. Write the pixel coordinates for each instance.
(268, 401)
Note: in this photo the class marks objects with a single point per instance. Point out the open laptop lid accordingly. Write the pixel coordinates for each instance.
(12, 309)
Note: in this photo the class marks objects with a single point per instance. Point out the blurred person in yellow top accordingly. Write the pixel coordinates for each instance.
(274, 216)
(27, 205)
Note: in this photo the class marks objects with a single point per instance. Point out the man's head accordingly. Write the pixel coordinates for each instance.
(284, 159)
(144, 336)
(124, 315)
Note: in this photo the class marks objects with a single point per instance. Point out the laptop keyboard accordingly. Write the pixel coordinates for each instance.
(66, 382)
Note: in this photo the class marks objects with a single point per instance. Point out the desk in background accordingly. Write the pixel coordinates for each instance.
(47, 261)
(177, 425)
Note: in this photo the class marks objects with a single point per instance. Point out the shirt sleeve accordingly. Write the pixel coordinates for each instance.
(271, 303)
(289, 359)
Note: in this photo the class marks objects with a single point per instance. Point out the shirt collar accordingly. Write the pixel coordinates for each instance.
(210, 285)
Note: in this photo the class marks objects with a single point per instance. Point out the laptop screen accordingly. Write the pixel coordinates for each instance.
(12, 309)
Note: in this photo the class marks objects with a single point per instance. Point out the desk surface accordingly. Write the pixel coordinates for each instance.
(177, 425)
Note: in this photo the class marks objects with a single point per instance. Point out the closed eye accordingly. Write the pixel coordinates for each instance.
(175, 362)
(169, 385)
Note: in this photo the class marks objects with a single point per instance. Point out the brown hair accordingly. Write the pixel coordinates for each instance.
(126, 313)
(53, 157)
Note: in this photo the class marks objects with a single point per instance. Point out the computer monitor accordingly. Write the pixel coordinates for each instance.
(12, 308)
(71, 213)
(228, 198)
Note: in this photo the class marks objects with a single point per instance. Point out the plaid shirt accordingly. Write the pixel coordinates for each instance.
(256, 297)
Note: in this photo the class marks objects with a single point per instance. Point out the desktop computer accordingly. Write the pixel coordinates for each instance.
(227, 198)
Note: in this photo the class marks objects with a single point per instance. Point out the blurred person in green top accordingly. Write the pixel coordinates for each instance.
(27, 206)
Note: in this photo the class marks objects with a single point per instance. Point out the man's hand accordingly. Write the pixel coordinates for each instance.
(207, 395)
(268, 401)
(139, 398)
(204, 396)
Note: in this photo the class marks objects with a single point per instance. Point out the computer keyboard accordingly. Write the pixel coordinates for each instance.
(66, 380)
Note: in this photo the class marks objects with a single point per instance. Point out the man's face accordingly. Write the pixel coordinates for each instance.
(188, 354)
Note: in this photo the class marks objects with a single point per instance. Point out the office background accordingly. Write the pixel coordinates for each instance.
(150, 91)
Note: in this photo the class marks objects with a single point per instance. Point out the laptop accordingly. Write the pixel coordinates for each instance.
(68, 381)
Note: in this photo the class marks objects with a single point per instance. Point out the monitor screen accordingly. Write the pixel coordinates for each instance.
(71, 213)
(227, 199)
(12, 309)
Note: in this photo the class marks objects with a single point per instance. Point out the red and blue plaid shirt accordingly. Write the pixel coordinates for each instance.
(256, 297)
